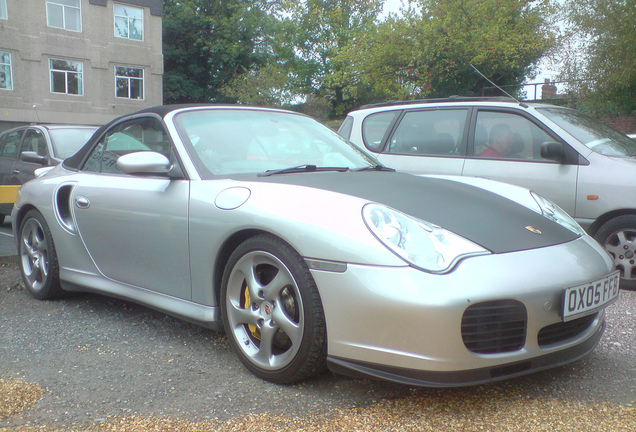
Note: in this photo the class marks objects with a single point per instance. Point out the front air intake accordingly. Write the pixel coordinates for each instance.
(563, 331)
(495, 327)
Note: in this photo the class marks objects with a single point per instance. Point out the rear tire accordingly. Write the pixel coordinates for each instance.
(37, 257)
(272, 312)
(618, 237)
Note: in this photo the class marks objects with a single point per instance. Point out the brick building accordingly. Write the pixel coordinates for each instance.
(78, 61)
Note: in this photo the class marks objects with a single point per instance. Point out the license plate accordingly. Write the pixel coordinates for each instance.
(584, 299)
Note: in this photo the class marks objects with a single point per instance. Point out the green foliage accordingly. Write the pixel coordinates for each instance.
(207, 43)
(317, 30)
(603, 33)
(269, 85)
(278, 52)
(428, 54)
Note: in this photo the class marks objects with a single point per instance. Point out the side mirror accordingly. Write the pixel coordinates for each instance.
(553, 151)
(144, 162)
(33, 157)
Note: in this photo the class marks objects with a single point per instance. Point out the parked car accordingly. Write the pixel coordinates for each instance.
(27, 148)
(308, 252)
(583, 166)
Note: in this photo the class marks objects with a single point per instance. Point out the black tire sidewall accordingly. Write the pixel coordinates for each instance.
(610, 228)
(311, 356)
(51, 288)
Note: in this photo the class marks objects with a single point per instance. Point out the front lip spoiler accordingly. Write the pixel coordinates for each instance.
(420, 378)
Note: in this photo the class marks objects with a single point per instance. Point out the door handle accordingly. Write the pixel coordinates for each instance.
(16, 172)
(82, 202)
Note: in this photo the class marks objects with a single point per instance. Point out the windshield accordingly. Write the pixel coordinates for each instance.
(67, 141)
(595, 135)
(233, 141)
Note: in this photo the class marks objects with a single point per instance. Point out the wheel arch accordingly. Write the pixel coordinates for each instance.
(603, 219)
(20, 215)
(226, 250)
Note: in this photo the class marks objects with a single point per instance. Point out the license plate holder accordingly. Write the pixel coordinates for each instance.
(587, 298)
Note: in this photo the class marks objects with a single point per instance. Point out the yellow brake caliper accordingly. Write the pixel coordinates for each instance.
(256, 333)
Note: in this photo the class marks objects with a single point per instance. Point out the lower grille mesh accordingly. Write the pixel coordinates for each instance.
(563, 331)
(495, 326)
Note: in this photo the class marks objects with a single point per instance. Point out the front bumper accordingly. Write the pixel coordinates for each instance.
(405, 325)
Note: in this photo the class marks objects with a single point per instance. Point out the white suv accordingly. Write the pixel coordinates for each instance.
(585, 167)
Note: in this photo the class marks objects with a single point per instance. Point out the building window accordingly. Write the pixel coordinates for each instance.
(64, 14)
(129, 22)
(129, 82)
(6, 81)
(66, 76)
(3, 9)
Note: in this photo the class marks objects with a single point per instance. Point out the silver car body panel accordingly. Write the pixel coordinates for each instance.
(362, 325)
(157, 241)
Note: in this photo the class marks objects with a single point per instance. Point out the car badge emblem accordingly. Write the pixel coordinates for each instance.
(533, 230)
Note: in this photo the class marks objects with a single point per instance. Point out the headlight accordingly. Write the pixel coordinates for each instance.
(556, 214)
(421, 244)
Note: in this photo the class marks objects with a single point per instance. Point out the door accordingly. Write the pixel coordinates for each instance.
(33, 141)
(9, 145)
(135, 228)
(506, 147)
(427, 142)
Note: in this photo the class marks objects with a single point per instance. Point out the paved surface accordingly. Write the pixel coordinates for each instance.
(7, 243)
(98, 357)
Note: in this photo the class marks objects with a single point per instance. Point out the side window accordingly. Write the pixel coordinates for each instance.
(507, 135)
(145, 134)
(430, 132)
(374, 128)
(34, 141)
(346, 127)
(10, 144)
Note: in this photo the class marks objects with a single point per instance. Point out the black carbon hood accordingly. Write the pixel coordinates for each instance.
(488, 219)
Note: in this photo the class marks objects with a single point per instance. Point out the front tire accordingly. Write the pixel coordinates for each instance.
(618, 237)
(37, 257)
(272, 312)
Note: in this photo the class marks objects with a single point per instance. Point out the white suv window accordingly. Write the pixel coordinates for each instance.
(507, 135)
(374, 127)
(430, 132)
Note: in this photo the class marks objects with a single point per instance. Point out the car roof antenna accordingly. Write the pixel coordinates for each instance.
(502, 90)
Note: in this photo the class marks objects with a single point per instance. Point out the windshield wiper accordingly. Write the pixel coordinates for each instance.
(377, 167)
(301, 169)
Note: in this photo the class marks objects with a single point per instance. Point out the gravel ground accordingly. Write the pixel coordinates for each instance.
(108, 365)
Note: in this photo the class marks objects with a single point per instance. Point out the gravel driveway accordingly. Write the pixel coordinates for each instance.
(99, 358)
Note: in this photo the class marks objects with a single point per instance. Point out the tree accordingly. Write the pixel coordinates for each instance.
(207, 43)
(601, 59)
(429, 53)
(317, 30)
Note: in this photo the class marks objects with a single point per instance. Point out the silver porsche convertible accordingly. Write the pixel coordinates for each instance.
(310, 254)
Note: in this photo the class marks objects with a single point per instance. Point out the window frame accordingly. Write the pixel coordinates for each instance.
(66, 72)
(129, 79)
(459, 142)
(64, 9)
(128, 21)
(10, 66)
(571, 154)
(17, 144)
(39, 134)
(100, 152)
(4, 13)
